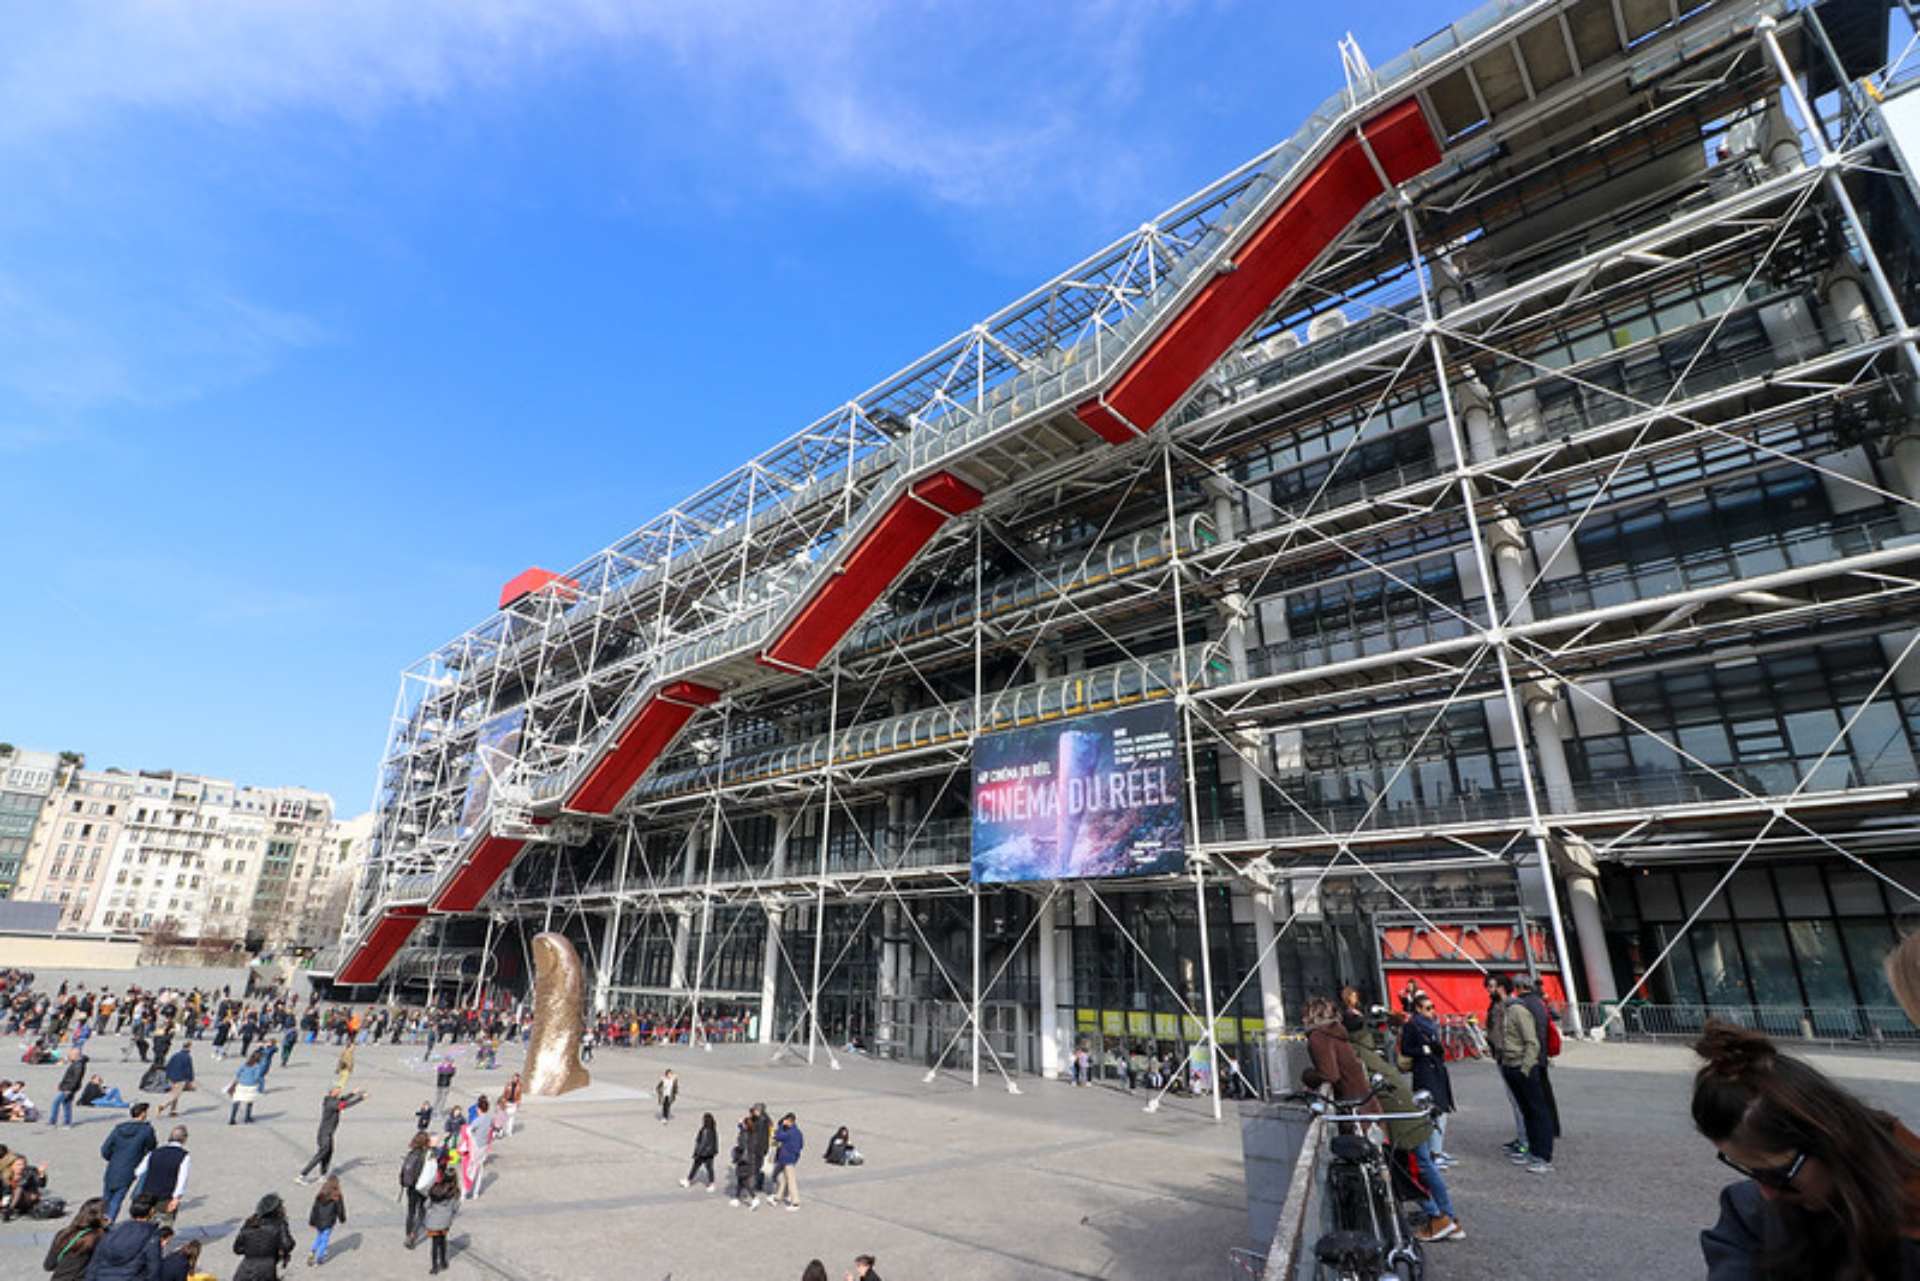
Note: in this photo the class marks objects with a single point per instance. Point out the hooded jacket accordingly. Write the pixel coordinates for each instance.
(129, 1252)
(1410, 1132)
(124, 1149)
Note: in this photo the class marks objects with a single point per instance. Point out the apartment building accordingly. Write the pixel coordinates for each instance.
(71, 852)
(26, 777)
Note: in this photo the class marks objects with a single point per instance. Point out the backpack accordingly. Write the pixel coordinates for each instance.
(1553, 1038)
(154, 1080)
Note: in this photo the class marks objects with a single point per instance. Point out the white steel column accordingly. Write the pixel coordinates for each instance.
(1237, 615)
(770, 973)
(1495, 635)
(1185, 698)
(706, 915)
(820, 886)
(974, 891)
(682, 937)
(610, 940)
(1051, 1057)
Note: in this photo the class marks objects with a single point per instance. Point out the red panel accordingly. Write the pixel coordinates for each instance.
(948, 492)
(1293, 235)
(1461, 991)
(483, 868)
(868, 570)
(1103, 423)
(377, 950)
(654, 727)
(529, 581)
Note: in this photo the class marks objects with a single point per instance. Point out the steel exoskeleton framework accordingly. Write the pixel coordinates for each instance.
(1604, 403)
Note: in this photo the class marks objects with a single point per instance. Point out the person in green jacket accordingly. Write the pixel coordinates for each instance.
(1410, 1134)
(1520, 1058)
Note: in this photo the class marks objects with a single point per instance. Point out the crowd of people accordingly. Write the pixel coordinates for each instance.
(128, 1232)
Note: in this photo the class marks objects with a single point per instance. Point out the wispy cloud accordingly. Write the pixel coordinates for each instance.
(959, 98)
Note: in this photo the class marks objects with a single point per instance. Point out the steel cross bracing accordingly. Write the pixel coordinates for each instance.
(710, 578)
(1496, 322)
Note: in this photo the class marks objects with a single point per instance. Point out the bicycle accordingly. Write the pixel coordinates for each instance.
(1371, 1238)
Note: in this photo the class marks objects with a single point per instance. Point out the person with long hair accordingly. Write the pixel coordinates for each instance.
(1832, 1186)
(706, 1146)
(1902, 966)
(72, 1246)
(443, 1202)
(329, 1211)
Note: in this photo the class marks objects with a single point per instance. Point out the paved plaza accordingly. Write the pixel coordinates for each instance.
(1056, 1182)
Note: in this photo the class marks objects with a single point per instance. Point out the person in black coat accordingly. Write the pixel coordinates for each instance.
(264, 1242)
(1420, 1045)
(706, 1146)
(412, 1166)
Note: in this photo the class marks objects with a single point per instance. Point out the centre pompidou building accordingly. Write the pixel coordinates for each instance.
(1504, 488)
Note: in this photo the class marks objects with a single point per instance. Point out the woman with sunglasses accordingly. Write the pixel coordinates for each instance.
(1832, 1186)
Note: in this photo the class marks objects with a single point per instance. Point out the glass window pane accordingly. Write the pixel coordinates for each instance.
(1868, 943)
(1722, 975)
(1752, 894)
(1823, 970)
(1855, 893)
(1678, 980)
(1659, 899)
(1770, 964)
(1694, 887)
(1801, 893)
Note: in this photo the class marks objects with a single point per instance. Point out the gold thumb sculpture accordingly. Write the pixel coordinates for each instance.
(553, 1050)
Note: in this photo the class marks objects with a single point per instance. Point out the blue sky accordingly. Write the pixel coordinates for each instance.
(321, 319)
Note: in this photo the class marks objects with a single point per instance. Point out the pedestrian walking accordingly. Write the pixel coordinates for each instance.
(666, 1091)
(329, 1211)
(179, 1081)
(863, 1269)
(442, 1083)
(245, 1087)
(788, 1142)
(287, 1039)
(330, 1109)
(264, 1242)
(130, 1251)
(123, 1150)
(476, 1145)
(70, 1085)
(740, 1163)
(416, 1176)
(162, 1176)
(1421, 1046)
(510, 1102)
(443, 1202)
(706, 1146)
(343, 1068)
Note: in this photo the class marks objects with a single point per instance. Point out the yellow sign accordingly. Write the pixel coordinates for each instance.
(1139, 1023)
(1164, 1027)
(1086, 1018)
(1113, 1022)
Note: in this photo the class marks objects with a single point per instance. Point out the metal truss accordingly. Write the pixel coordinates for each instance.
(1095, 579)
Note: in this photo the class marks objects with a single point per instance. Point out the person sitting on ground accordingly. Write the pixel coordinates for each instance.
(21, 1184)
(840, 1149)
(1832, 1186)
(14, 1103)
(97, 1094)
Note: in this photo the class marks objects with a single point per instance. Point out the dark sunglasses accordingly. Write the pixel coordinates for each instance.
(1777, 1177)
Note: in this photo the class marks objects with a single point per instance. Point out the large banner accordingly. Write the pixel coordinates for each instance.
(494, 749)
(1094, 796)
